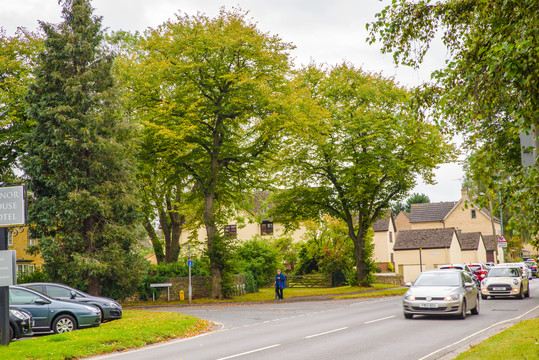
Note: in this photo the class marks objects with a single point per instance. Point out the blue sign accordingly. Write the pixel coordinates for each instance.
(189, 262)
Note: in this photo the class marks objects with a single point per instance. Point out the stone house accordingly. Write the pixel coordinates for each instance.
(425, 249)
(19, 238)
(473, 247)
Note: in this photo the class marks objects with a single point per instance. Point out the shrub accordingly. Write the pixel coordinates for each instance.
(37, 276)
(259, 258)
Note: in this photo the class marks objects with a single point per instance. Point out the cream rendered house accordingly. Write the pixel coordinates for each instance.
(385, 233)
(473, 247)
(425, 249)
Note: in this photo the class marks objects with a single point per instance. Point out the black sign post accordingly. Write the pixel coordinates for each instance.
(4, 295)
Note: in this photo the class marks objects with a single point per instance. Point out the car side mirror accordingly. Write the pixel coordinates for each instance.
(469, 284)
(41, 301)
(73, 294)
(408, 284)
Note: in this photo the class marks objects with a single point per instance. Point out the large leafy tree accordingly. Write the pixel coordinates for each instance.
(364, 150)
(489, 89)
(78, 160)
(209, 94)
(17, 59)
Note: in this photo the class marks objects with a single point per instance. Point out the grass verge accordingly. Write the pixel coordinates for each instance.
(136, 328)
(520, 341)
(268, 294)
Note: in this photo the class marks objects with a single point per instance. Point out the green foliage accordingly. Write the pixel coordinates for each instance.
(259, 258)
(328, 250)
(216, 86)
(38, 275)
(415, 198)
(17, 60)
(78, 161)
(288, 250)
(488, 91)
(251, 285)
(356, 148)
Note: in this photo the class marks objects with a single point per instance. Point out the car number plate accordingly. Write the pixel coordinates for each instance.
(498, 288)
(428, 305)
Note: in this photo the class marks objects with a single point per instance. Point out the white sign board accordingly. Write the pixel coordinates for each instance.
(12, 206)
(8, 268)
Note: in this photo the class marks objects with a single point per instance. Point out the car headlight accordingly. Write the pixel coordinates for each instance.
(451, 297)
(515, 281)
(91, 308)
(113, 304)
(484, 282)
(409, 297)
(19, 314)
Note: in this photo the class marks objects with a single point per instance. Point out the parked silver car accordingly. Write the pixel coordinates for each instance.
(441, 292)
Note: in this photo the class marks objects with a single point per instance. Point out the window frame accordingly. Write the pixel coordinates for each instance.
(266, 228)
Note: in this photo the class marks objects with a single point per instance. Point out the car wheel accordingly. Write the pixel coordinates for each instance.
(408, 316)
(521, 294)
(475, 310)
(528, 292)
(64, 323)
(11, 333)
(484, 297)
(463, 311)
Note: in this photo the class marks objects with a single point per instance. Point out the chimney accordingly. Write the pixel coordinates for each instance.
(464, 194)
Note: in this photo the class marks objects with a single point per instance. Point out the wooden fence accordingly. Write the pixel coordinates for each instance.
(308, 281)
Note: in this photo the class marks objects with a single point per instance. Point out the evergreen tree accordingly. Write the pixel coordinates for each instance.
(78, 161)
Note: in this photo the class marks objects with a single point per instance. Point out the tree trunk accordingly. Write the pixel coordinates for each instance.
(156, 243)
(213, 247)
(359, 245)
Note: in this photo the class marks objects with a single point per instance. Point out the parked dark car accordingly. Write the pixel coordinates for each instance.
(532, 265)
(21, 323)
(110, 309)
(53, 315)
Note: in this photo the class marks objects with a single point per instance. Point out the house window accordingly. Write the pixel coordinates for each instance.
(25, 268)
(266, 228)
(9, 238)
(392, 257)
(231, 231)
(390, 237)
(473, 214)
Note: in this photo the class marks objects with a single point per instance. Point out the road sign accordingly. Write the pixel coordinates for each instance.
(502, 241)
(189, 262)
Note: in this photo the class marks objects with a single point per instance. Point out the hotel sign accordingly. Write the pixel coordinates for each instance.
(8, 268)
(12, 205)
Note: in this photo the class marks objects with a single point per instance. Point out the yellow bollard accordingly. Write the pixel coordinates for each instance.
(182, 297)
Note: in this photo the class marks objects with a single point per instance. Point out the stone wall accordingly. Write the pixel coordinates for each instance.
(389, 278)
(201, 287)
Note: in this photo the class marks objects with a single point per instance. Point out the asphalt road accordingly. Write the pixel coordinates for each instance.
(341, 329)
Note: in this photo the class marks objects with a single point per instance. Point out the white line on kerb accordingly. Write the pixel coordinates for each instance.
(372, 321)
(324, 333)
(249, 352)
(479, 332)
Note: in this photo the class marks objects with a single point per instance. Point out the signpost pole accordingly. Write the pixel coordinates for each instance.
(190, 288)
(4, 295)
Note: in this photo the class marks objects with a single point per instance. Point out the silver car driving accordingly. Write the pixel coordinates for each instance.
(441, 292)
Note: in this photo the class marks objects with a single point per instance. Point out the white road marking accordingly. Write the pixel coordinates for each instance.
(372, 321)
(324, 333)
(477, 333)
(249, 352)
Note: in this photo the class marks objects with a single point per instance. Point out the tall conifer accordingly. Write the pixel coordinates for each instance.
(77, 160)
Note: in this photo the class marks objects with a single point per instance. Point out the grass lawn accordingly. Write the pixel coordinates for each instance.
(137, 328)
(268, 294)
(520, 341)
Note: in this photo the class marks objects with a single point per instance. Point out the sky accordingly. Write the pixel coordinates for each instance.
(323, 31)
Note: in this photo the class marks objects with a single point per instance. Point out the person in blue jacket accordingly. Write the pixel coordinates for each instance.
(280, 283)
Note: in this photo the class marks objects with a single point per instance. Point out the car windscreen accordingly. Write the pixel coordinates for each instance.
(503, 272)
(438, 279)
(474, 267)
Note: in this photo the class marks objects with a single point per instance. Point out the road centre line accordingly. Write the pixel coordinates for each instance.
(249, 352)
(373, 321)
(324, 333)
(479, 332)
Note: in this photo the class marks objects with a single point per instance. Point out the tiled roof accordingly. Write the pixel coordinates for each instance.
(430, 212)
(469, 241)
(491, 241)
(424, 238)
(383, 223)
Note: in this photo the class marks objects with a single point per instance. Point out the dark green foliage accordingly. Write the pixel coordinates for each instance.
(413, 199)
(259, 258)
(78, 161)
(37, 276)
(251, 285)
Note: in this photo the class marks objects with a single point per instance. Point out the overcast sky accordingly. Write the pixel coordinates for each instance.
(323, 31)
